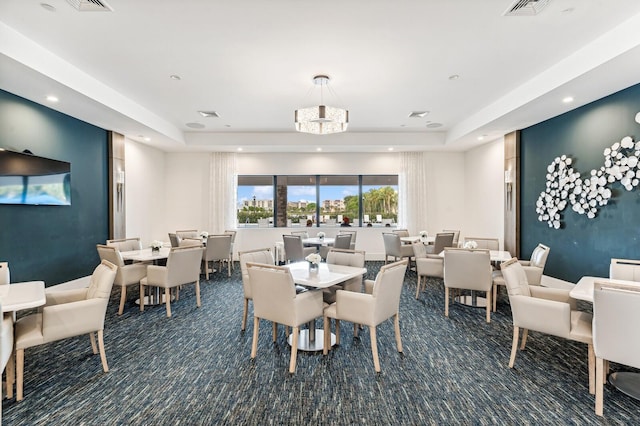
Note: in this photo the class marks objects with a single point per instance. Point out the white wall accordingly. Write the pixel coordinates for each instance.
(145, 192)
(170, 191)
(484, 191)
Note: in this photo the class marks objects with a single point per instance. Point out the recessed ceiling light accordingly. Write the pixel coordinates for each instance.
(418, 114)
(434, 125)
(147, 139)
(481, 138)
(318, 149)
(47, 6)
(227, 125)
(454, 77)
(567, 100)
(390, 148)
(52, 98)
(239, 148)
(195, 125)
(175, 77)
(209, 114)
(568, 10)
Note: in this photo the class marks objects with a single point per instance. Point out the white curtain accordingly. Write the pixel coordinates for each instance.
(222, 184)
(413, 196)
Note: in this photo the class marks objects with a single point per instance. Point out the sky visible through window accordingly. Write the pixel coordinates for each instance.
(296, 193)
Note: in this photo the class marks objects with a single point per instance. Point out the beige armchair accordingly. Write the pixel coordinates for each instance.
(6, 349)
(469, 270)
(218, 249)
(174, 239)
(275, 299)
(264, 256)
(183, 267)
(126, 275)
(546, 310)
(393, 247)
(616, 337)
(5, 275)
(443, 240)
(427, 265)
(345, 257)
(534, 269)
(369, 309)
(353, 234)
(456, 236)
(342, 241)
(484, 243)
(126, 244)
(625, 269)
(294, 250)
(66, 314)
(188, 233)
(233, 242)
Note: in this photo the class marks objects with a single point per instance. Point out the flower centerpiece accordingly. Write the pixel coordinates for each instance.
(156, 245)
(204, 234)
(314, 261)
(423, 236)
(320, 235)
(471, 245)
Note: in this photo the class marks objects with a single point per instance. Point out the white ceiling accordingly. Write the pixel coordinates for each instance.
(253, 61)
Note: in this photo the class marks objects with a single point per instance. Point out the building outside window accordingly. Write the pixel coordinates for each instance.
(301, 199)
(339, 199)
(255, 201)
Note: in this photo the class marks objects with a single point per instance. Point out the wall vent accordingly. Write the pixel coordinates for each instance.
(525, 7)
(90, 5)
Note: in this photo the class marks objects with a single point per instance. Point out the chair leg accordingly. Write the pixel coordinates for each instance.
(397, 327)
(11, 373)
(599, 386)
(206, 269)
(141, 298)
(418, 287)
(592, 369)
(245, 310)
(337, 331)
(229, 267)
(103, 355)
(94, 348)
(495, 296)
(374, 348)
(327, 335)
(525, 334)
(446, 301)
(254, 344)
(123, 297)
(198, 293)
(356, 327)
(514, 346)
(294, 350)
(19, 374)
(489, 306)
(167, 301)
(274, 332)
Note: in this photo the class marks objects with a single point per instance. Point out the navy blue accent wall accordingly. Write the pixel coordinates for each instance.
(55, 243)
(582, 246)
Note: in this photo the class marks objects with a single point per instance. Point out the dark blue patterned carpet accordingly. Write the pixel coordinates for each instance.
(195, 369)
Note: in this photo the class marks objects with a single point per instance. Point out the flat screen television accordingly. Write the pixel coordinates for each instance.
(29, 179)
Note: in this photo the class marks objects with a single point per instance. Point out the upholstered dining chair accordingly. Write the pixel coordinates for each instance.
(342, 241)
(126, 244)
(467, 269)
(233, 242)
(427, 265)
(183, 267)
(126, 275)
(484, 242)
(625, 269)
(275, 299)
(393, 247)
(188, 233)
(401, 232)
(345, 257)
(616, 336)
(174, 239)
(370, 309)
(218, 249)
(262, 255)
(456, 236)
(5, 274)
(353, 234)
(6, 350)
(534, 268)
(67, 313)
(302, 234)
(546, 310)
(294, 250)
(442, 241)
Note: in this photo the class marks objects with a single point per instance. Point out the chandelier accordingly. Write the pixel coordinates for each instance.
(321, 119)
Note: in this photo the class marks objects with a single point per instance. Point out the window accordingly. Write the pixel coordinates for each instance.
(317, 200)
(255, 201)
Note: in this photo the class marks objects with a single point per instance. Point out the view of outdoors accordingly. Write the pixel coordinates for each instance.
(323, 200)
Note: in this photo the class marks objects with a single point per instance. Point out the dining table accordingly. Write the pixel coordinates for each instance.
(316, 241)
(417, 238)
(22, 295)
(626, 381)
(155, 296)
(325, 276)
(472, 300)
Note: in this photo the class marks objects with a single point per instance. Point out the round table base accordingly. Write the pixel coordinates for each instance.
(472, 301)
(317, 345)
(627, 383)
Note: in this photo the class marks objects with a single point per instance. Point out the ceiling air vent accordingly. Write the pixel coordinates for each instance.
(525, 7)
(90, 5)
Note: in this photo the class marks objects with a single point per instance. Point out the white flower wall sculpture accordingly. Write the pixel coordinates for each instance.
(564, 185)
